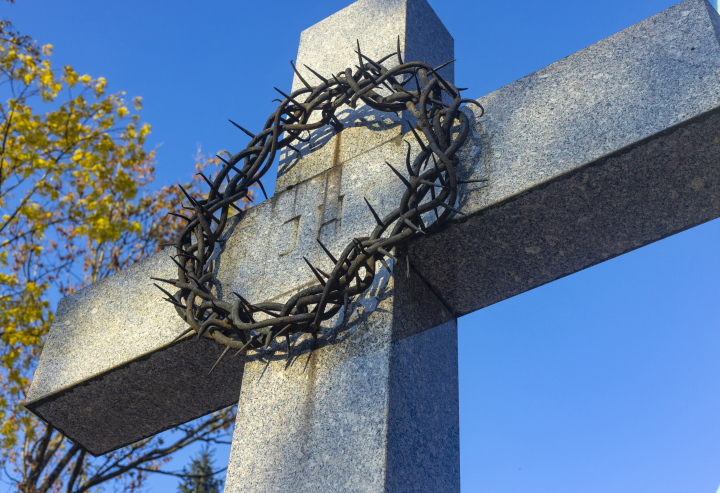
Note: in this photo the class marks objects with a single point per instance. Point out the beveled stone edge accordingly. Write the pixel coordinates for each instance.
(580, 168)
(33, 405)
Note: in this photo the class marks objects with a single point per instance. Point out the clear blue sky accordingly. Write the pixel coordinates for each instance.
(604, 381)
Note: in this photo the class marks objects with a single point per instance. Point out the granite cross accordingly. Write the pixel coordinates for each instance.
(603, 152)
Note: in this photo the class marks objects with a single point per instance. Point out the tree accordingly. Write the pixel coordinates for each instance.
(75, 206)
(200, 478)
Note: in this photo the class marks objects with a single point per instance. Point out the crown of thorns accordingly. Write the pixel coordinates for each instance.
(429, 199)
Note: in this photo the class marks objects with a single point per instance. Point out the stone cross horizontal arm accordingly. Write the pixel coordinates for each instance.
(600, 153)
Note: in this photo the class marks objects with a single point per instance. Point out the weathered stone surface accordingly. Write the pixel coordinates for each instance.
(110, 373)
(603, 152)
(329, 47)
(147, 395)
(104, 378)
(374, 407)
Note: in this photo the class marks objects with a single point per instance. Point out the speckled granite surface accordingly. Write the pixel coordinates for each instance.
(329, 47)
(373, 406)
(607, 150)
(109, 374)
(603, 152)
(83, 380)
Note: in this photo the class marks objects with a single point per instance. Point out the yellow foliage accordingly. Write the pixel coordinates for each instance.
(69, 188)
(75, 206)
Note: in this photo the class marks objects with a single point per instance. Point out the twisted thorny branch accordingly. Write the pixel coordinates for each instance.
(429, 199)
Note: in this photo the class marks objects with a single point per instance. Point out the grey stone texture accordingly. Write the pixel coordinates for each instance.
(110, 373)
(329, 47)
(602, 152)
(373, 406)
(108, 334)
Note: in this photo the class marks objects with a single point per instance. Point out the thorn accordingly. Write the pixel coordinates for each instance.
(167, 281)
(264, 310)
(301, 77)
(243, 300)
(412, 226)
(317, 274)
(400, 60)
(163, 290)
(227, 163)
(360, 57)
(302, 107)
(388, 87)
(431, 184)
(404, 83)
(246, 306)
(180, 216)
(449, 207)
(189, 197)
(174, 302)
(407, 159)
(375, 215)
(166, 244)
(211, 184)
(441, 66)
(200, 332)
(185, 332)
(246, 345)
(404, 180)
(340, 84)
(472, 181)
(334, 260)
(417, 137)
(262, 188)
(422, 224)
(387, 267)
(284, 331)
(387, 254)
(252, 135)
(407, 264)
(317, 75)
(179, 265)
(227, 348)
(365, 72)
(417, 82)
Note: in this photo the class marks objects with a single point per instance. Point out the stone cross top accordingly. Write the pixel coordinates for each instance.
(603, 152)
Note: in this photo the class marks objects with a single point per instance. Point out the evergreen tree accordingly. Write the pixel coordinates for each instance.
(200, 477)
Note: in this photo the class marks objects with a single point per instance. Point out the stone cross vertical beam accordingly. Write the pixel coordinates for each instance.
(374, 406)
(603, 152)
(330, 46)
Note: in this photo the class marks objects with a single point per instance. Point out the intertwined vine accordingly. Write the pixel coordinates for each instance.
(429, 199)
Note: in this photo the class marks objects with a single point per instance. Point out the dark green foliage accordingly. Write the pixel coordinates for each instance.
(199, 478)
